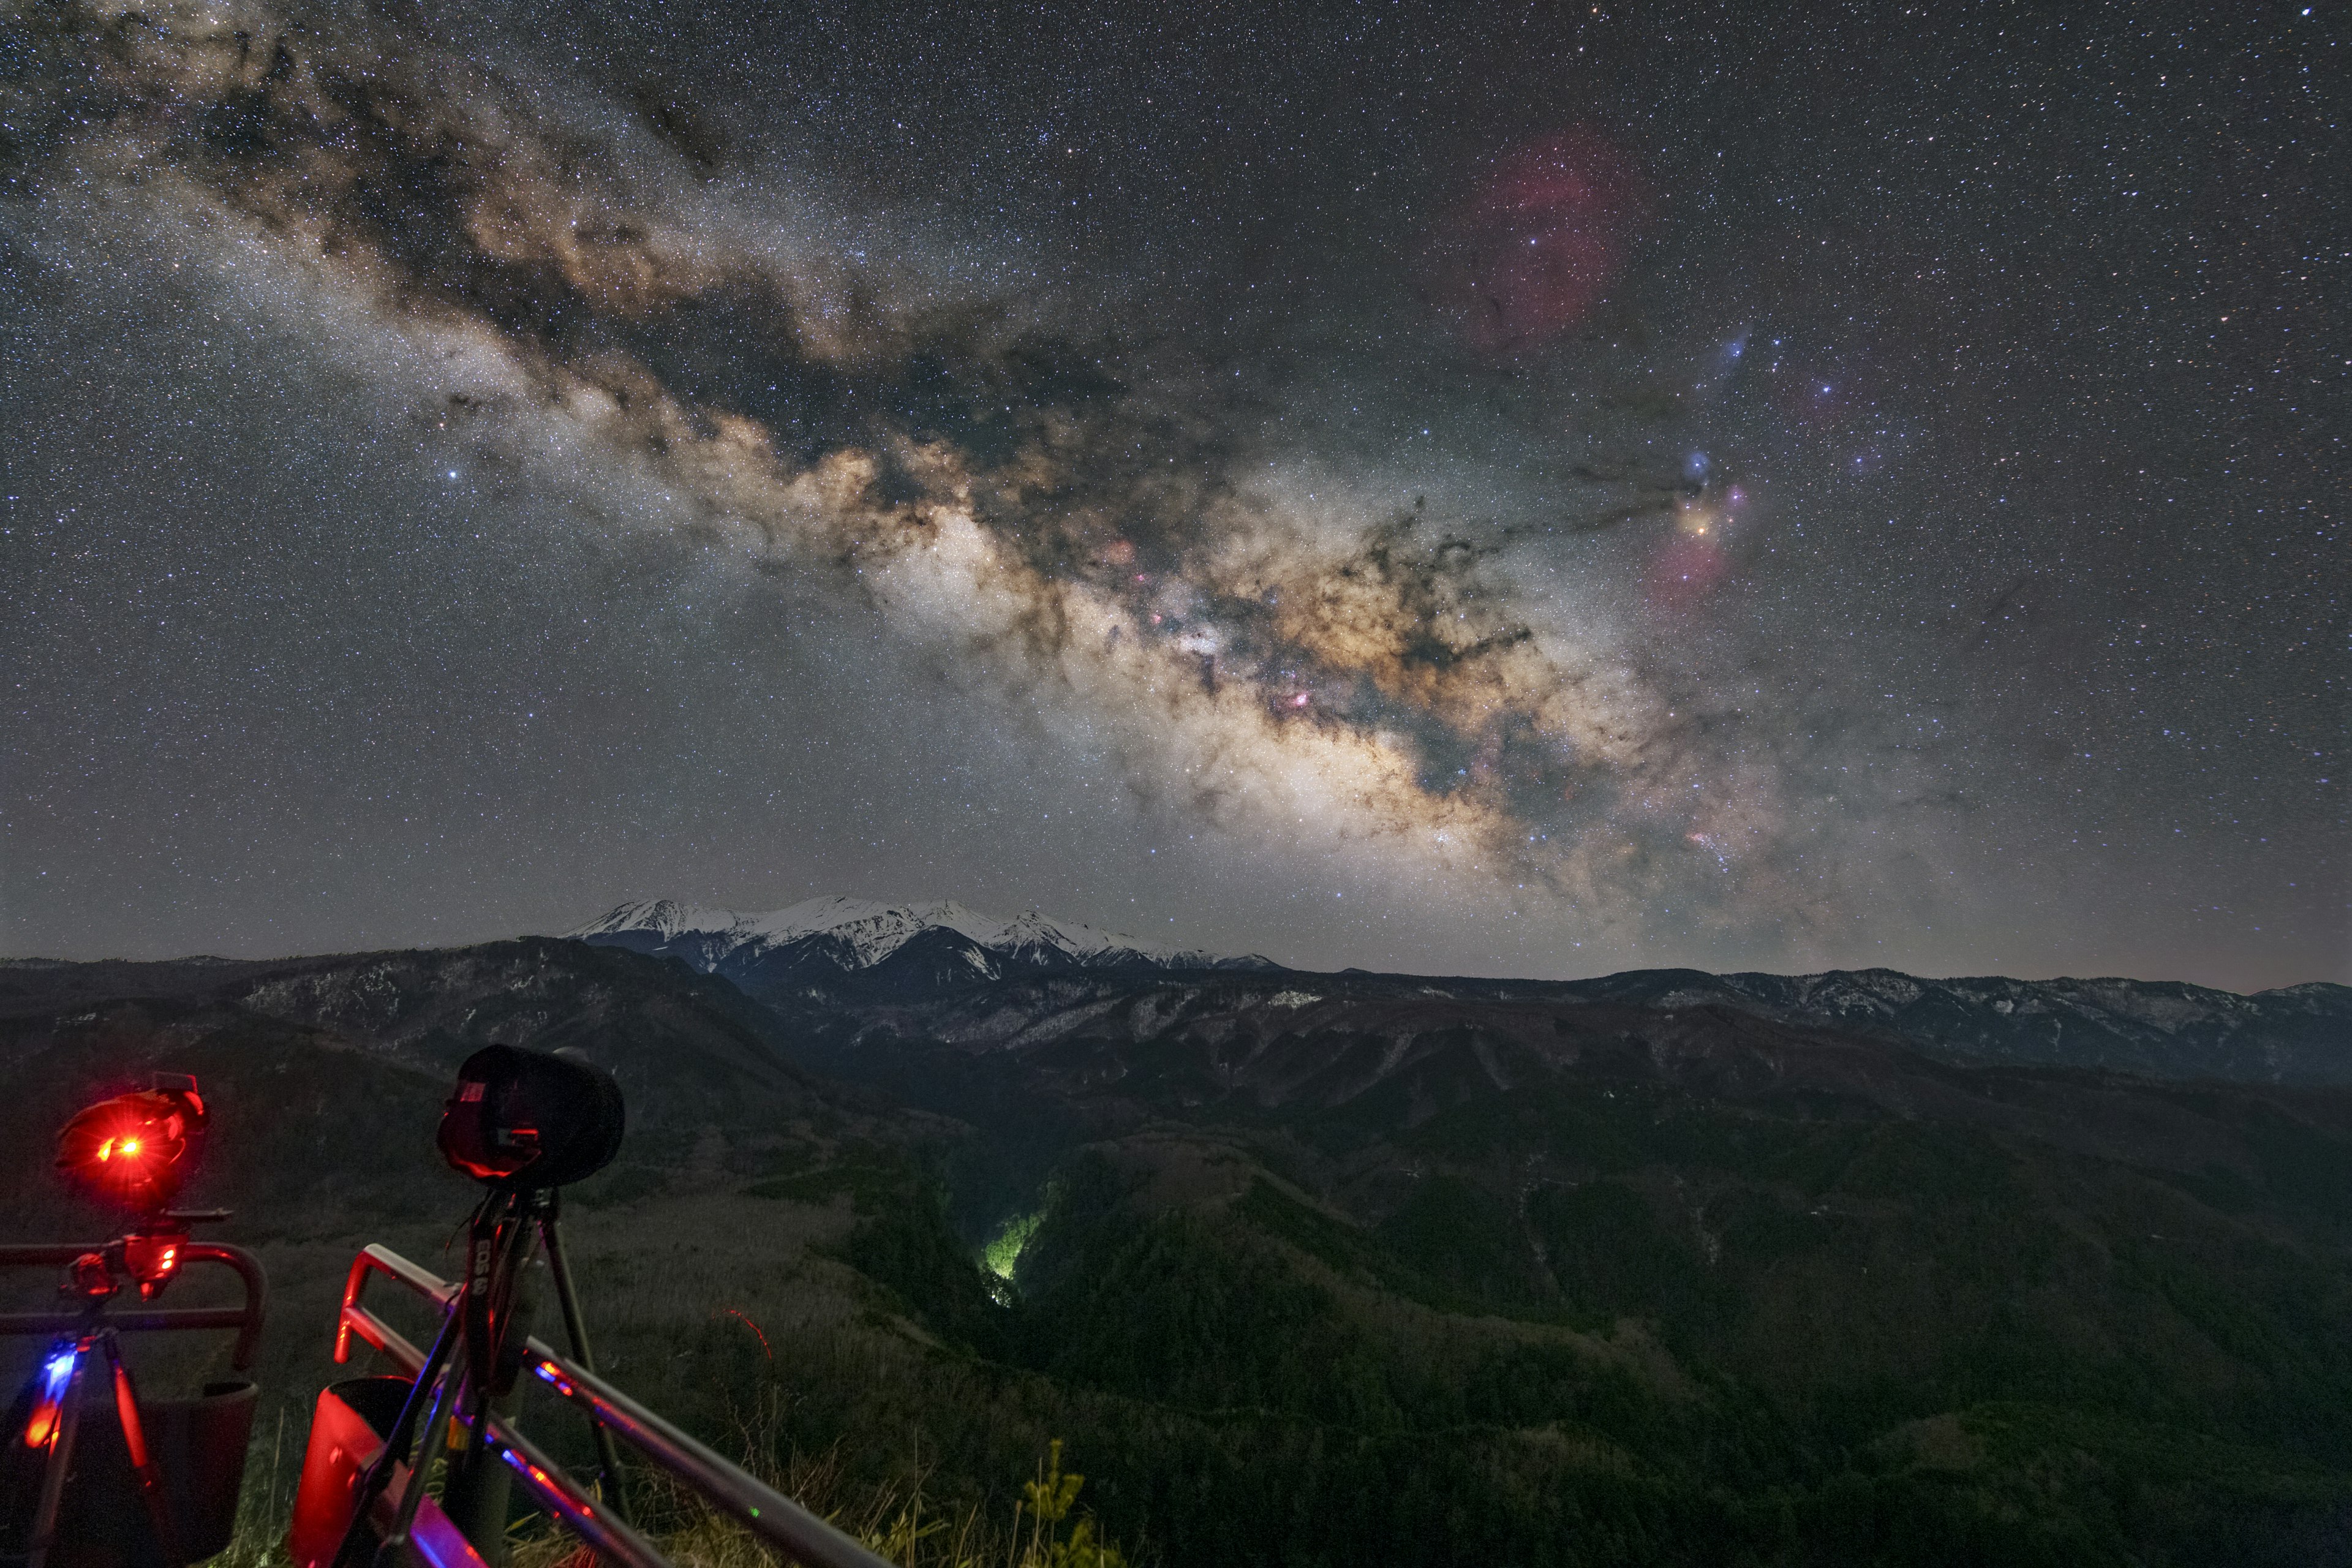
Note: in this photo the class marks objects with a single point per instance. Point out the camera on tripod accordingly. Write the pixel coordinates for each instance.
(90, 1475)
(523, 1125)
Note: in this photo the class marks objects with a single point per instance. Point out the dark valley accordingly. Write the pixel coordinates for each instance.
(1305, 1269)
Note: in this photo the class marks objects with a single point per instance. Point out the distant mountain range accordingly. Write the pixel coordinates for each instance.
(843, 969)
(691, 1051)
(943, 969)
(857, 947)
(2160, 1029)
(1726, 1266)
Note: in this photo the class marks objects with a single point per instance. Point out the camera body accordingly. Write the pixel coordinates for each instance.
(531, 1119)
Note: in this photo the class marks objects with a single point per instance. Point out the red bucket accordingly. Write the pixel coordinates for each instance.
(347, 1432)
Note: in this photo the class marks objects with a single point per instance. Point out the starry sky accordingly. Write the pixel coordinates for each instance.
(1529, 489)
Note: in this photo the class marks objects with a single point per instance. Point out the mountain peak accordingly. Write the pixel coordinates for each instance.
(666, 916)
(834, 936)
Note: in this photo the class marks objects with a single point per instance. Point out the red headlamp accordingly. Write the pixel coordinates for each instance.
(136, 1149)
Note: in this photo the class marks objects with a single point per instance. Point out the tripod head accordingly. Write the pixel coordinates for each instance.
(134, 1151)
(148, 1257)
(127, 1502)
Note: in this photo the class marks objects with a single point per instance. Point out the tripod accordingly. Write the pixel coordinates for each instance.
(56, 1421)
(93, 1351)
(476, 1357)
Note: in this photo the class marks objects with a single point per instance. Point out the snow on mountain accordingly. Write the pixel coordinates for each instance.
(875, 931)
(662, 916)
(2166, 1028)
(848, 935)
(858, 951)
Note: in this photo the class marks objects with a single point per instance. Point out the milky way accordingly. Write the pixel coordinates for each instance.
(1526, 669)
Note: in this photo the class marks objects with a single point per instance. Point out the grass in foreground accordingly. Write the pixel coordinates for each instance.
(1046, 1529)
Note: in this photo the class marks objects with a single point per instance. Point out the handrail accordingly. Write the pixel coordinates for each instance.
(765, 1511)
(544, 1479)
(377, 1258)
(245, 1319)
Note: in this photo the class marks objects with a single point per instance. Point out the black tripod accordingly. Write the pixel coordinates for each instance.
(55, 1421)
(89, 1351)
(489, 1321)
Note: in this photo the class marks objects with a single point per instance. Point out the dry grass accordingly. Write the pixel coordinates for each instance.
(892, 1518)
(677, 1288)
(895, 1519)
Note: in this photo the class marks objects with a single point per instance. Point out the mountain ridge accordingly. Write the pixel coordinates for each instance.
(954, 964)
(1549, 1249)
(838, 945)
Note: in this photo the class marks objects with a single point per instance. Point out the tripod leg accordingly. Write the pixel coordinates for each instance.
(135, 1439)
(608, 1461)
(59, 1462)
(475, 1486)
(396, 1446)
(394, 1553)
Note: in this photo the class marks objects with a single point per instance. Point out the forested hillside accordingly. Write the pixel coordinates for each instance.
(1440, 1280)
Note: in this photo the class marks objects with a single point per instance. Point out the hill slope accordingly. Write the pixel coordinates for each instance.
(1684, 1272)
(1309, 1268)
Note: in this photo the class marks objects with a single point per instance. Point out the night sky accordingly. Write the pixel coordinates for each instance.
(1495, 489)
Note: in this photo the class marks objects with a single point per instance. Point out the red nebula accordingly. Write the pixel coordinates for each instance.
(1531, 249)
(1685, 570)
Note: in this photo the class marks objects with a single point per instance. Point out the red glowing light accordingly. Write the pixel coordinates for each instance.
(152, 1260)
(132, 1149)
(42, 1426)
(126, 1411)
(44, 1423)
(748, 1323)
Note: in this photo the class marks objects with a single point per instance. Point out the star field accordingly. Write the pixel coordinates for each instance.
(1498, 489)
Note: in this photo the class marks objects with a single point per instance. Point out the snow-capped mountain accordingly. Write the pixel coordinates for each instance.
(960, 968)
(821, 944)
(2161, 1027)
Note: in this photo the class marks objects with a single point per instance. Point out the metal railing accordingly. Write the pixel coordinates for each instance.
(761, 1509)
(245, 1319)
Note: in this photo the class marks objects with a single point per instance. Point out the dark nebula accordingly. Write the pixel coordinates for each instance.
(1441, 491)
